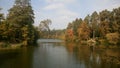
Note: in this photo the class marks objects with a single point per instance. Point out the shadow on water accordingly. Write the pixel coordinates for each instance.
(20, 58)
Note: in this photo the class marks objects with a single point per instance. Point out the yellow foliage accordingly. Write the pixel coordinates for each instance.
(83, 31)
(113, 38)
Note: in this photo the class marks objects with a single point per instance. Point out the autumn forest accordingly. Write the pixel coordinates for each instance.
(101, 26)
(92, 41)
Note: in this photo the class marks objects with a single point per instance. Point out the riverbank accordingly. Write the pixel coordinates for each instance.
(8, 46)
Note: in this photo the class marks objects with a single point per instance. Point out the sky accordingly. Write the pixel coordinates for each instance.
(61, 12)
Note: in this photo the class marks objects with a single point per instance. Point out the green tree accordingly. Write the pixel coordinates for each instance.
(116, 20)
(1, 16)
(3, 28)
(76, 24)
(87, 19)
(94, 24)
(19, 23)
(104, 23)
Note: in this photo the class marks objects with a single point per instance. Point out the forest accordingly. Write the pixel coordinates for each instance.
(17, 27)
(103, 27)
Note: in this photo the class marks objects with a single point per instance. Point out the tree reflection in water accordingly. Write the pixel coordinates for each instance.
(97, 58)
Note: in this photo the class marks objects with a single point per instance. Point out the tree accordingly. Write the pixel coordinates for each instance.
(19, 23)
(22, 2)
(104, 15)
(113, 38)
(104, 23)
(87, 19)
(1, 16)
(100, 26)
(83, 31)
(75, 26)
(69, 35)
(104, 28)
(94, 24)
(116, 20)
(3, 28)
(44, 27)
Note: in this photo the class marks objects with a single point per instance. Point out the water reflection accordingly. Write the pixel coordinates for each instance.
(59, 55)
(95, 58)
(52, 56)
(20, 58)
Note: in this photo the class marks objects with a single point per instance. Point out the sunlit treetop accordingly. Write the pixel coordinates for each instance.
(22, 2)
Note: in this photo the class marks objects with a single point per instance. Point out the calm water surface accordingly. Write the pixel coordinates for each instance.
(59, 55)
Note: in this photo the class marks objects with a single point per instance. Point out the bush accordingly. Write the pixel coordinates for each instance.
(113, 38)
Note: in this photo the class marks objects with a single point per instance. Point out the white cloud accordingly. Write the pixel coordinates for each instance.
(68, 13)
(114, 4)
(60, 22)
(60, 1)
(60, 9)
(107, 4)
(54, 6)
(58, 12)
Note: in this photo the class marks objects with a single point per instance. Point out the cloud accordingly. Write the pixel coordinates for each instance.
(60, 22)
(106, 4)
(60, 1)
(66, 12)
(54, 6)
(114, 4)
(59, 13)
(60, 9)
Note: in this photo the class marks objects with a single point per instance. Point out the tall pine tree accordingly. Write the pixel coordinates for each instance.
(20, 20)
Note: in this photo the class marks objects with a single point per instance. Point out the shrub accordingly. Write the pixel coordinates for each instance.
(113, 38)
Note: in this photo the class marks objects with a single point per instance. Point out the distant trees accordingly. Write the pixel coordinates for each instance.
(44, 25)
(44, 28)
(46, 32)
(104, 25)
(57, 34)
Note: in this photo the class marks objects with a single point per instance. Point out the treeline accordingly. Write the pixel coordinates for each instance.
(53, 34)
(57, 34)
(104, 27)
(18, 27)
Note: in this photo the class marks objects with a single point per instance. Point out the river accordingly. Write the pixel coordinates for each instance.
(60, 55)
